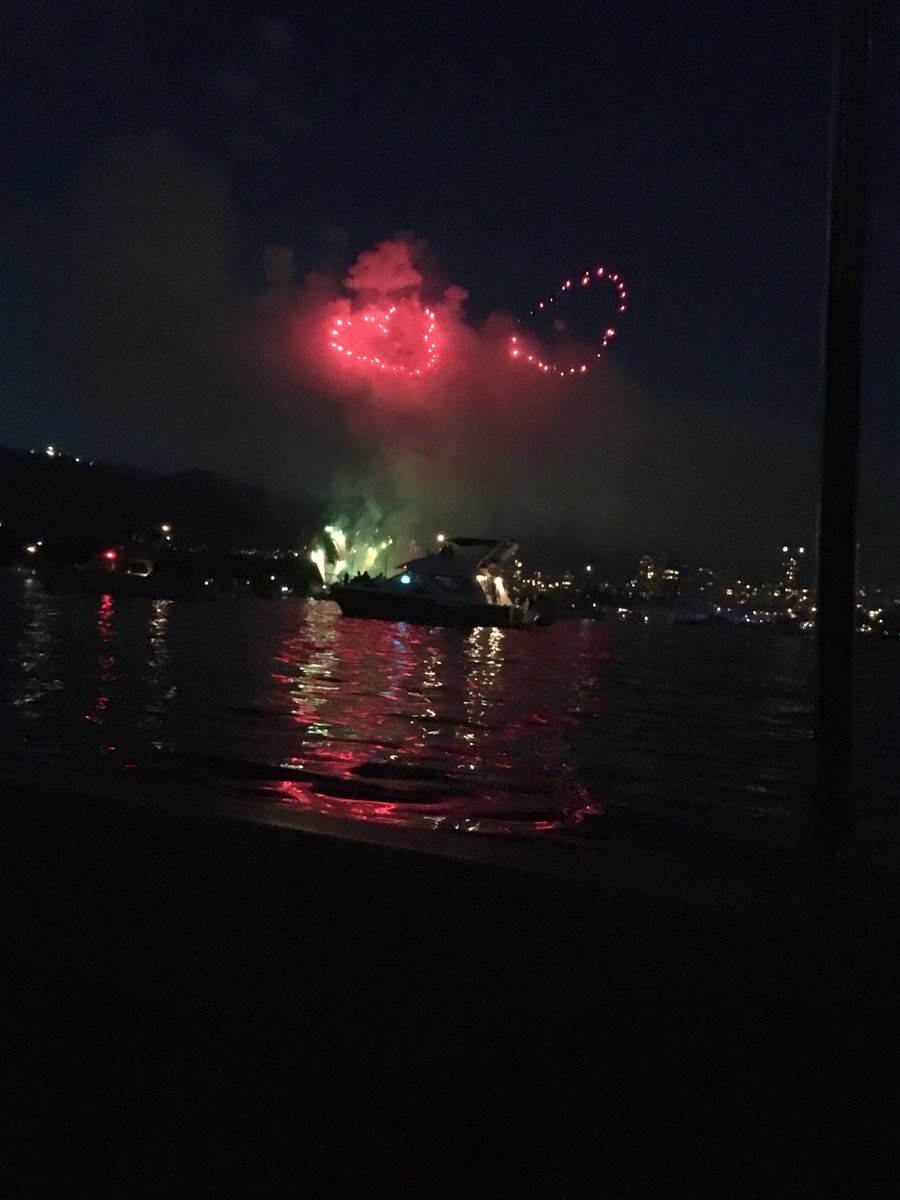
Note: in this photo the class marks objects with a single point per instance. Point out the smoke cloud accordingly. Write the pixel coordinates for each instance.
(481, 444)
(160, 349)
(171, 365)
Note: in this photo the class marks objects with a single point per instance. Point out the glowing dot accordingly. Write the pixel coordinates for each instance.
(600, 272)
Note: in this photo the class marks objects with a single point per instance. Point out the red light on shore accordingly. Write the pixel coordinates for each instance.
(110, 555)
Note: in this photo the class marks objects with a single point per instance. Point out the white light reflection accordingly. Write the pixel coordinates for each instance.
(161, 690)
(33, 676)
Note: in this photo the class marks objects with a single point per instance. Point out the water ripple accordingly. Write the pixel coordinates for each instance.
(547, 731)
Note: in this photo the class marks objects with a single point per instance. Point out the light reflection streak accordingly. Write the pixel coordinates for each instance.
(34, 677)
(106, 667)
(405, 725)
(161, 689)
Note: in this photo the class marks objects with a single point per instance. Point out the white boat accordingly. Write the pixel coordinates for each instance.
(461, 584)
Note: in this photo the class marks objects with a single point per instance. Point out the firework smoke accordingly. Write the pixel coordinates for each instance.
(172, 367)
(465, 443)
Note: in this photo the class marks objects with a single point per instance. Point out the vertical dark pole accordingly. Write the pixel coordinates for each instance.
(836, 598)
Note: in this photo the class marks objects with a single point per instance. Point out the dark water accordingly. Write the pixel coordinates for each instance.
(557, 732)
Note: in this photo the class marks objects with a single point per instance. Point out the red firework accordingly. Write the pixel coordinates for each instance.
(599, 274)
(400, 340)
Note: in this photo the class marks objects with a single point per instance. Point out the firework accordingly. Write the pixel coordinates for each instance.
(520, 351)
(337, 552)
(382, 328)
(317, 556)
(402, 339)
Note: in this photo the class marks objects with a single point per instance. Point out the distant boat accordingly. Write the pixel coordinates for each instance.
(461, 584)
(117, 574)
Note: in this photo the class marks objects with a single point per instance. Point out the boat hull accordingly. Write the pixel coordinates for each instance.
(100, 582)
(383, 605)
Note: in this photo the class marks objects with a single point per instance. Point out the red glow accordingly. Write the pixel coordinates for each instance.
(587, 277)
(375, 748)
(110, 555)
(402, 339)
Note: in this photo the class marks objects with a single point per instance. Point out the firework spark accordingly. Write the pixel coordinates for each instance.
(519, 351)
(402, 340)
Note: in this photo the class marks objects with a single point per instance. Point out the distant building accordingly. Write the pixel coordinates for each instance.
(648, 581)
(670, 584)
(707, 582)
(654, 580)
(790, 574)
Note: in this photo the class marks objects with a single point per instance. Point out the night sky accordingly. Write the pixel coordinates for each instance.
(180, 178)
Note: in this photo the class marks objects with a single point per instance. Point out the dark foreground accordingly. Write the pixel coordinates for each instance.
(194, 1006)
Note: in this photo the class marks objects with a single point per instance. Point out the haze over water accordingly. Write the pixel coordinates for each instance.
(563, 733)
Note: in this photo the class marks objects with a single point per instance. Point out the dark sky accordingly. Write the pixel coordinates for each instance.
(153, 151)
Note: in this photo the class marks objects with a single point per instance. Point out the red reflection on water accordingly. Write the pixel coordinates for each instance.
(106, 662)
(406, 725)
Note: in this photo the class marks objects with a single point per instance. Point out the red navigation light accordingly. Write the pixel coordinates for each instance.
(110, 555)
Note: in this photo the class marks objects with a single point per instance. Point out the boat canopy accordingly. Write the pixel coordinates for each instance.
(463, 558)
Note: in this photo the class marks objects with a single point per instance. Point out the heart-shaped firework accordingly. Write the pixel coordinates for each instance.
(519, 350)
(403, 340)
